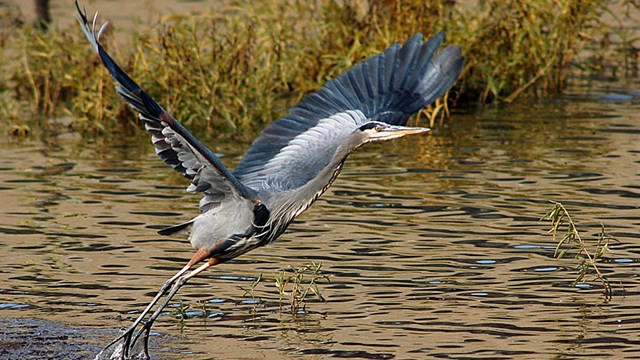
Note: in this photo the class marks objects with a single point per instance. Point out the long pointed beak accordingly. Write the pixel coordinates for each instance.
(394, 131)
(405, 130)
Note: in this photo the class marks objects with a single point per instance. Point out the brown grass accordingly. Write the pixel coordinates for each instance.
(230, 73)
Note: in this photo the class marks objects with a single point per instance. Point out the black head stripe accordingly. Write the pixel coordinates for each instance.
(370, 125)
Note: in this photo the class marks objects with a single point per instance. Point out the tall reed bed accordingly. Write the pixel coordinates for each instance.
(229, 73)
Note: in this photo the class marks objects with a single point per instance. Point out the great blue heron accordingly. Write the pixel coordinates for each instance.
(290, 165)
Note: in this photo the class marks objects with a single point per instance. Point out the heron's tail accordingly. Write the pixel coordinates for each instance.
(176, 228)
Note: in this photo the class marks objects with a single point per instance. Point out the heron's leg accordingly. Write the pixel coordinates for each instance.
(122, 342)
(143, 334)
(120, 349)
(129, 332)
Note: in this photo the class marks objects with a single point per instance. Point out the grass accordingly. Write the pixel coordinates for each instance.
(572, 241)
(228, 74)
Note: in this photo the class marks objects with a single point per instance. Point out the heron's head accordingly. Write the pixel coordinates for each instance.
(380, 131)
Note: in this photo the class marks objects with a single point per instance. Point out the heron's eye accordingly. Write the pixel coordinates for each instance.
(377, 128)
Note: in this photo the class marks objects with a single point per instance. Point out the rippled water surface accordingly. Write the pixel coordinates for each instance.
(433, 246)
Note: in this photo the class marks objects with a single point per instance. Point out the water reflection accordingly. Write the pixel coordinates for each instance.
(433, 245)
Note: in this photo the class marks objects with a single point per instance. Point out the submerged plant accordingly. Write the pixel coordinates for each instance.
(250, 291)
(571, 240)
(181, 311)
(297, 286)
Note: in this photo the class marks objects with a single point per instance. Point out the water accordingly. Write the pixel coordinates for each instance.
(433, 244)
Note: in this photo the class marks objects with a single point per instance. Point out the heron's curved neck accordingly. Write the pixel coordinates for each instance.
(351, 143)
(284, 209)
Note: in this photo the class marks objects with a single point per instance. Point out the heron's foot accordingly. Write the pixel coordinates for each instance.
(113, 351)
(139, 349)
(130, 345)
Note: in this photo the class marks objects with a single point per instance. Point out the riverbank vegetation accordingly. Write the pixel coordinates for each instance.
(229, 73)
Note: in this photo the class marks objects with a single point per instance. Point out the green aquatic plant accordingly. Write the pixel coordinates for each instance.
(298, 283)
(250, 291)
(572, 241)
(181, 311)
(204, 309)
(294, 285)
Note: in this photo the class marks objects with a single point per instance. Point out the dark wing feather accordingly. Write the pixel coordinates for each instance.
(389, 87)
(174, 144)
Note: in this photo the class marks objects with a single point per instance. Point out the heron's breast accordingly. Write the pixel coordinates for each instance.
(220, 223)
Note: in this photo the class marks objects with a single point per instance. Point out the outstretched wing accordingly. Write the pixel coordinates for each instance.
(389, 87)
(174, 144)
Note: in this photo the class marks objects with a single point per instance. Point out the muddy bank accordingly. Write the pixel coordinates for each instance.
(41, 339)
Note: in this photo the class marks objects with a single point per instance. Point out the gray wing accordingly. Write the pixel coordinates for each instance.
(306, 155)
(389, 87)
(173, 143)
